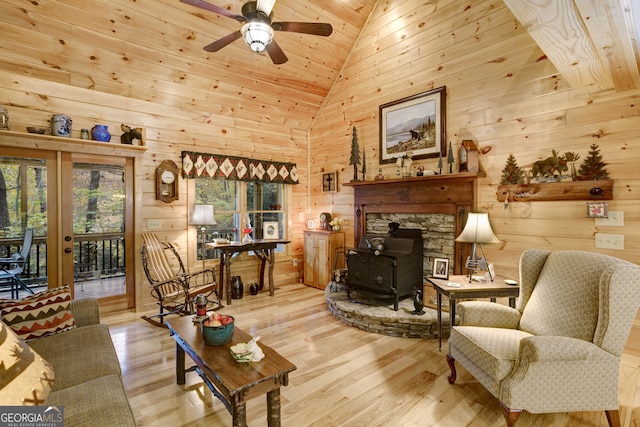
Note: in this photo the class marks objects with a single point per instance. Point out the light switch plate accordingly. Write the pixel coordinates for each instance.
(615, 219)
(154, 224)
(609, 241)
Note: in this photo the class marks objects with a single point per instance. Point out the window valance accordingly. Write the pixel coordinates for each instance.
(237, 168)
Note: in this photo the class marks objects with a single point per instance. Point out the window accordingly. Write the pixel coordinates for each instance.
(233, 201)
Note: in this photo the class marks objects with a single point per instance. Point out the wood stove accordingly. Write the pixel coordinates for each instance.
(391, 272)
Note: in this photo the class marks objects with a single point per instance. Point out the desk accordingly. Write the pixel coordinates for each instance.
(467, 290)
(6, 274)
(230, 381)
(264, 250)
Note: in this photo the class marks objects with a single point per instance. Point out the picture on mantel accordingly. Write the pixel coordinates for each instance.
(558, 167)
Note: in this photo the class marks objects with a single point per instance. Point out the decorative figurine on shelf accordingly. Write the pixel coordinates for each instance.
(440, 164)
(131, 135)
(420, 171)
(450, 158)
(247, 229)
(404, 163)
(364, 164)
(380, 175)
(355, 154)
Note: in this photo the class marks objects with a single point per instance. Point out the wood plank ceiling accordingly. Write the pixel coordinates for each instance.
(592, 43)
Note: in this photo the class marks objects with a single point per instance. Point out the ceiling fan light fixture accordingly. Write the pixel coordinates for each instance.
(257, 35)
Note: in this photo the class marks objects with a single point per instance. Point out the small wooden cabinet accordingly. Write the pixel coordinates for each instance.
(320, 250)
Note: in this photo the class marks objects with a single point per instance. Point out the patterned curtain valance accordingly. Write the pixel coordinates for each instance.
(237, 168)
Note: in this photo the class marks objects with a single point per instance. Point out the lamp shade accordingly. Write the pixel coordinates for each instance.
(257, 35)
(477, 230)
(203, 215)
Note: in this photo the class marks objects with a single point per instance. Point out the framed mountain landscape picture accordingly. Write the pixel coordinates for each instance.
(413, 127)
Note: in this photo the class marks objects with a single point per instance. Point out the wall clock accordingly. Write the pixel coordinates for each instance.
(167, 181)
(468, 156)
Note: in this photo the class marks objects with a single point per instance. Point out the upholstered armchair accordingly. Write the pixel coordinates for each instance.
(559, 349)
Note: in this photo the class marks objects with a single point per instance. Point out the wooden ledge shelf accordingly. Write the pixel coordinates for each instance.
(417, 179)
(563, 190)
(58, 143)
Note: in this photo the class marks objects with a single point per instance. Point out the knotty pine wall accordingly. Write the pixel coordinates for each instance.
(114, 62)
(502, 93)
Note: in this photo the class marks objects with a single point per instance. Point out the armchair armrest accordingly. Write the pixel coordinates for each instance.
(487, 314)
(556, 349)
(85, 311)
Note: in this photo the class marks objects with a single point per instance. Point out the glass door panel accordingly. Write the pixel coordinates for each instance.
(26, 203)
(97, 227)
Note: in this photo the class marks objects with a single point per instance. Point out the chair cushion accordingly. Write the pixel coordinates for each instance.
(494, 350)
(39, 315)
(564, 301)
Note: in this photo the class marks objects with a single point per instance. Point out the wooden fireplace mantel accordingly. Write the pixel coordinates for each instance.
(453, 194)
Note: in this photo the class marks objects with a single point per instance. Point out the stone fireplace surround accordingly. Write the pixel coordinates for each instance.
(438, 205)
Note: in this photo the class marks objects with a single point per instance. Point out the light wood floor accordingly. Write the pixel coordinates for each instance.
(345, 376)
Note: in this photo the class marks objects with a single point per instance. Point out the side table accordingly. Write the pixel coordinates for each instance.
(497, 288)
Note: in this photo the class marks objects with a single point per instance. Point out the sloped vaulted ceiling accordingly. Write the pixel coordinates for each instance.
(592, 43)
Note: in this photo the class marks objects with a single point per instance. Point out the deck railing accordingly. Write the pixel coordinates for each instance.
(99, 255)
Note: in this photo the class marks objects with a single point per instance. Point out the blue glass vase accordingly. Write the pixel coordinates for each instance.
(100, 133)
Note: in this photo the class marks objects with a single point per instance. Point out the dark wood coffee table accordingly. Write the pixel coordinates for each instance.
(230, 381)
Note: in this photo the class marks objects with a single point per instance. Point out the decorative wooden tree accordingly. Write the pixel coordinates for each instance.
(512, 173)
(355, 154)
(440, 164)
(593, 167)
(364, 164)
(450, 158)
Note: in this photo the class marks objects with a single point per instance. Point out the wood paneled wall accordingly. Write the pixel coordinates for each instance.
(504, 94)
(141, 63)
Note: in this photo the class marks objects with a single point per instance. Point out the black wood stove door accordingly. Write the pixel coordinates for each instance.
(373, 273)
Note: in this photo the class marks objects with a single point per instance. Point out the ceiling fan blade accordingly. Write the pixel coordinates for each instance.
(219, 44)
(215, 9)
(276, 53)
(266, 6)
(315, 28)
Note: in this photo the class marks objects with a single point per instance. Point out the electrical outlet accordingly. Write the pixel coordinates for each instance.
(154, 224)
(295, 262)
(609, 241)
(615, 219)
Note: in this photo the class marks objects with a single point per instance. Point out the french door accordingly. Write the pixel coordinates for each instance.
(81, 208)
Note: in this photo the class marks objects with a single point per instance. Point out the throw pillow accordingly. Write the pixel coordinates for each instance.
(25, 377)
(39, 315)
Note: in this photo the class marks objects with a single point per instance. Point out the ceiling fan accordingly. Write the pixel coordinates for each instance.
(258, 29)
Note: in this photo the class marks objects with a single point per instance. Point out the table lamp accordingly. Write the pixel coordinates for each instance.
(203, 216)
(477, 230)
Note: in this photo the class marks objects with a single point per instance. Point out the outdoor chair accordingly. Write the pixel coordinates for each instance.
(559, 349)
(11, 268)
(172, 285)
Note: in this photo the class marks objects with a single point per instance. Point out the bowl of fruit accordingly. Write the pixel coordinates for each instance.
(217, 329)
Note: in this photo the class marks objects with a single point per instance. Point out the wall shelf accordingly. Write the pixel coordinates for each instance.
(58, 143)
(563, 190)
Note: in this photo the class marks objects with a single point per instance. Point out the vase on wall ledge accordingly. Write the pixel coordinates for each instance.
(100, 133)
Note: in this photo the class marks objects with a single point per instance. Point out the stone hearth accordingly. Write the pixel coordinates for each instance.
(377, 315)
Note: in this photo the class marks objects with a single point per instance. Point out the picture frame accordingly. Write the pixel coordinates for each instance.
(329, 182)
(440, 268)
(270, 230)
(413, 126)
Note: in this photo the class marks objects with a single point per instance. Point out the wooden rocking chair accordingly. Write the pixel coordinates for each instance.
(171, 284)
